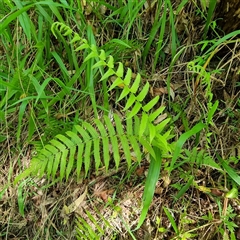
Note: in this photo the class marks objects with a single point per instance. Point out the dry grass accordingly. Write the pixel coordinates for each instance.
(114, 199)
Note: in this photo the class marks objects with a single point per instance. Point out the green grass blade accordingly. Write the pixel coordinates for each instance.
(211, 8)
(184, 188)
(230, 171)
(4, 23)
(171, 219)
(184, 137)
(160, 43)
(149, 188)
(22, 111)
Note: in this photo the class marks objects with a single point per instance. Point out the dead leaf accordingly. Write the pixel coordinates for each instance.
(104, 195)
(160, 118)
(158, 91)
(67, 210)
(217, 192)
(140, 171)
(158, 190)
(161, 90)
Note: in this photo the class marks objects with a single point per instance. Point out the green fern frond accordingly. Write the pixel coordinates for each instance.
(91, 229)
(68, 153)
(139, 134)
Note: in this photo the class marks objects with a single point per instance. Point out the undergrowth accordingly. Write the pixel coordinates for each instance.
(88, 88)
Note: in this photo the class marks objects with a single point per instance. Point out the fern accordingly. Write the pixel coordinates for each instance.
(91, 229)
(74, 150)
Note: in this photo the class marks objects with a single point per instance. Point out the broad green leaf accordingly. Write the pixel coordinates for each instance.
(91, 55)
(151, 104)
(42, 168)
(136, 125)
(82, 47)
(55, 165)
(155, 114)
(63, 164)
(94, 49)
(21, 113)
(12, 16)
(50, 167)
(135, 110)
(46, 153)
(208, 161)
(128, 77)
(124, 93)
(233, 193)
(143, 93)
(123, 139)
(184, 188)
(102, 55)
(87, 156)
(107, 74)
(94, 134)
(162, 143)
(99, 64)
(26, 173)
(120, 70)
(58, 144)
(136, 83)
(136, 148)
(80, 153)
(162, 125)
(105, 143)
(152, 131)
(131, 100)
(143, 124)
(110, 62)
(113, 140)
(147, 147)
(120, 42)
(129, 123)
(76, 38)
(211, 112)
(171, 219)
(71, 159)
(118, 123)
(126, 149)
(74, 137)
(109, 126)
(21, 197)
(117, 83)
(84, 134)
(65, 140)
(183, 138)
(115, 150)
(96, 151)
(106, 157)
(230, 171)
(149, 188)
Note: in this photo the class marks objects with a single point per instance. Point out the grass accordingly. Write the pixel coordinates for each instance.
(149, 104)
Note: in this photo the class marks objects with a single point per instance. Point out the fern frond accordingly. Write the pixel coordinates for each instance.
(90, 229)
(87, 143)
(68, 153)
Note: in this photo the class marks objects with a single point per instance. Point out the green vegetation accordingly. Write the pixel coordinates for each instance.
(118, 120)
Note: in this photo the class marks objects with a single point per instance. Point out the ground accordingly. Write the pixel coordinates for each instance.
(197, 199)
